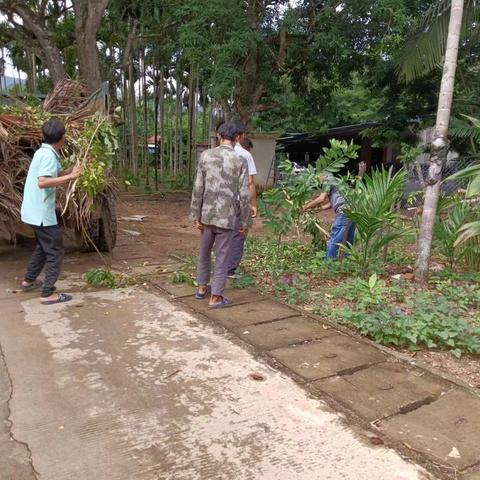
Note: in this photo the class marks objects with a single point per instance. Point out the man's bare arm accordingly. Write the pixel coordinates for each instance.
(253, 194)
(322, 198)
(49, 182)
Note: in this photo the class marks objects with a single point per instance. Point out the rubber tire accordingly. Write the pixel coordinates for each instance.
(107, 237)
(93, 231)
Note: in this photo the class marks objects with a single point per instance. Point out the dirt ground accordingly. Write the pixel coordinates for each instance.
(167, 229)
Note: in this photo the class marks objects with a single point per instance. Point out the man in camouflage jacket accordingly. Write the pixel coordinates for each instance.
(220, 189)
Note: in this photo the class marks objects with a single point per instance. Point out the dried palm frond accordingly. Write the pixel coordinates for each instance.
(88, 142)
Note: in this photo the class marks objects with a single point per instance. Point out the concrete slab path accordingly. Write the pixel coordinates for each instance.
(124, 384)
(413, 409)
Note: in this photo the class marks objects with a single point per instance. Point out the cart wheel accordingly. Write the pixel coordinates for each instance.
(91, 238)
(108, 225)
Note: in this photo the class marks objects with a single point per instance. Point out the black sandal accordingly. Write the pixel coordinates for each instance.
(62, 298)
(34, 286)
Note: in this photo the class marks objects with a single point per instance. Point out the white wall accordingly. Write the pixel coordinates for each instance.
(263, 153)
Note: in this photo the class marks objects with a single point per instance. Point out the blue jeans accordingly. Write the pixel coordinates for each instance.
(343, 231)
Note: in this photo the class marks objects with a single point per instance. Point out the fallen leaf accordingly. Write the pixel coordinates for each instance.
(454, 453)
(376, 440)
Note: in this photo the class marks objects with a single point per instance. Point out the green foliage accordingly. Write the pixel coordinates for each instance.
(282, 207)
(243, 281)
(447, 230)
(409, 153)
(370, 205)
(465, 296)
(294, 289)
(99, 141)
(371, 291)
(394, 315)
(100, 277)
(435, 328)
(312, 225)
(266, 258)
(445, 317)
(469, 233)
(183, 277)
(426, 47)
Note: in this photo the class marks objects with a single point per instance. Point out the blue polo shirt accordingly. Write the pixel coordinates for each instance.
(38, 206)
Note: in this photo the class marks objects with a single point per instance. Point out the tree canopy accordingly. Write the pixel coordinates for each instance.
(277, 65)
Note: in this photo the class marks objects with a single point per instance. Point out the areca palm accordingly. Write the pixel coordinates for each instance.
(370, 205)
(426, 48)
(453, 11)
(469, 230)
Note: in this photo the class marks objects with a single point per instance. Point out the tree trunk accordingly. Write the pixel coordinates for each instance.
(35, 24)
(132, 110)
(88, 16)
(162, 122)
(439, 144)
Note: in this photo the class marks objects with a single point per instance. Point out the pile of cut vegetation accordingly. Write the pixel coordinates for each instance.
(91, 141)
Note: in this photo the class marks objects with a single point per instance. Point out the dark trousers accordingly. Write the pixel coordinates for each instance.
(237, 248)
(221, 239)
(49, 254)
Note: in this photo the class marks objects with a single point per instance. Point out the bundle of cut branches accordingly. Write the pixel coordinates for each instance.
(67, 96)
(90, 141)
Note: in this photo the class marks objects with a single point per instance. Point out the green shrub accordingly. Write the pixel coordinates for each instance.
(443, 319)
(282, 207)
(370, 205)
(183, 277)
(100, 277)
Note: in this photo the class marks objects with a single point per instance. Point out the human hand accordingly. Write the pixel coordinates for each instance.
(198, 224)
(76, 172)
(254, 211)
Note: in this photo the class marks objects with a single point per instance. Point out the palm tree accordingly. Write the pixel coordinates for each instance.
(439, 147)
(425, 49)
(469, 230)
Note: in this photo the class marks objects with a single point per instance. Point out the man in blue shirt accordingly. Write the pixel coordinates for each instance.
(38, 211)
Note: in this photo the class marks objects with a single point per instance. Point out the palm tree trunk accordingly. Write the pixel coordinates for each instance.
(439, 144)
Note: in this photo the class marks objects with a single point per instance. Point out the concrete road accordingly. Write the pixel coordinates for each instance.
(122, 385)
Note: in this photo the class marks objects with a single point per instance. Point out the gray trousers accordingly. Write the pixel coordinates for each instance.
(220, 238)
(49, 254)
(237, 248)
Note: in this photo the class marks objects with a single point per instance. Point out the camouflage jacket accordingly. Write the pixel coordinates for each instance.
(221, 188)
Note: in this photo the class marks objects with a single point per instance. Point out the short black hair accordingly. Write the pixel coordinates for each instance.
(228, 131)
(247, 143)
(53, 131)
(241, 128)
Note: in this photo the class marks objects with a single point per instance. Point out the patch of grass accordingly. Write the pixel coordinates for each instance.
(183, 277)
(100, 277)
(294, 290)
(400, 315)
(244, 281)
